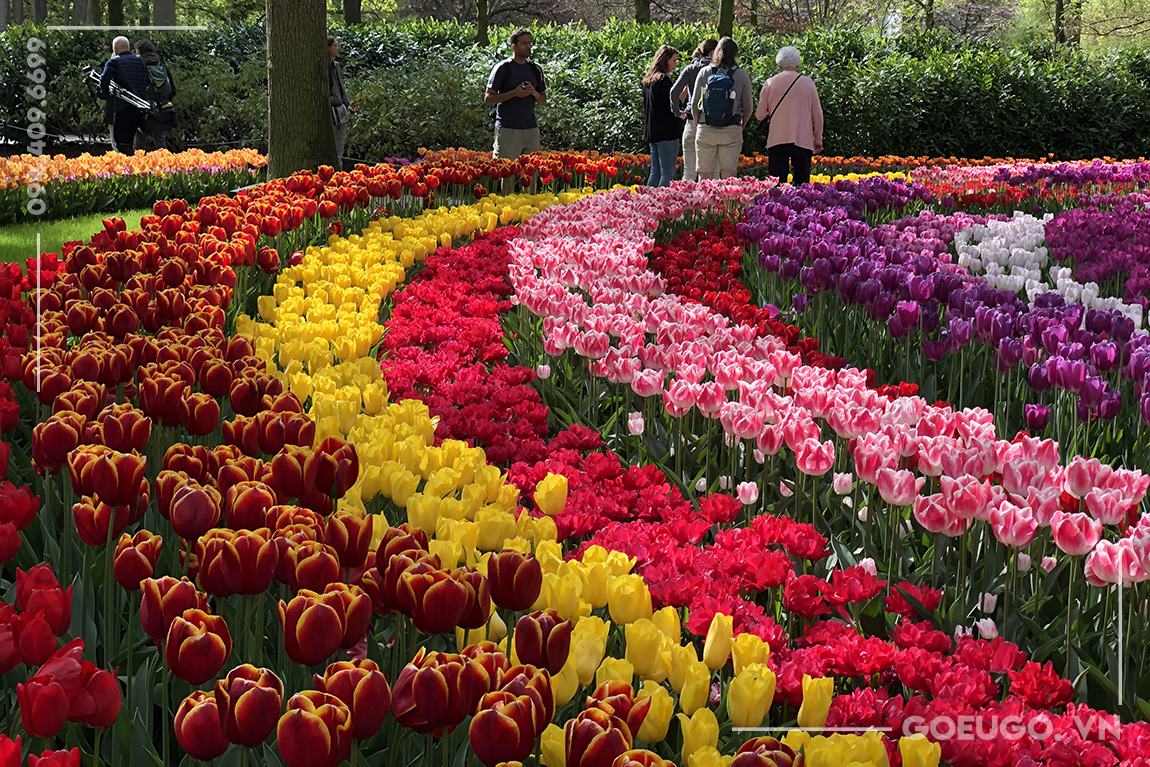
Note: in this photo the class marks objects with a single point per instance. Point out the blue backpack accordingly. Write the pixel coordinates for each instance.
(720, 98)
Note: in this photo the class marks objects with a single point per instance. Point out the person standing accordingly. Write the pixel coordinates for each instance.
(127, 70)
(661, 126)
(796, 131)
(515, 87)
(721, 104)
(681, 103)
(340, 103)
(161, 90)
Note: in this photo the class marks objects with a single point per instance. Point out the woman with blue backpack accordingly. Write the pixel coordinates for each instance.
(721, 105)
(661, 126)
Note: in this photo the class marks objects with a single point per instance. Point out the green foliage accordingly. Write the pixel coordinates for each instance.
(420, 83)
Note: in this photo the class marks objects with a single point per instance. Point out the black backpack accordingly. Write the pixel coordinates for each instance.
(538, 70)
(159, 89)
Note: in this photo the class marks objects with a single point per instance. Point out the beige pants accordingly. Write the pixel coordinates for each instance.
(690, 161)
(512, 142)
(717, 149)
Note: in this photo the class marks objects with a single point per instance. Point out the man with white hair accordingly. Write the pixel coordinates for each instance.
(127, 70)
(791, 102)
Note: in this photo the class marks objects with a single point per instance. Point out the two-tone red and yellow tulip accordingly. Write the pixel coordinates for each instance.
(450, 687)
(195, 509)
(515, 580)
(356, 612)
(93, 519)
(135, 558)
(596, 738)
(315, 730)
(364, 690)
(165, 599)
(124, 428)
(249, 700)
(349, 534)
(311, 565)
(337, 467)
(197, 646)
(312, 625)
(478, 610)
(503, 729)
(236, 562)
(433, 600)
(54, 439)
(543, 639)
(198, 727)
(114, 476)
(246, 504)
(765, 751)
(617, 698)
(641, 758)
(397, 540)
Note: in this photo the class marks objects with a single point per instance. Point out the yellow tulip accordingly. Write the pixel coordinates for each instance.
(495, 527)
(551, 494)
(594, 555)
(614, 668)
(837, 749)
(681, 658)
(403, 487)
(619, 563)
(701, 729)
(565, 684)
(717, 648)
(587, 649)
(545, 530)
(595, 625)
(553, 747)
(496, 628)
(658, 719)
(564, 593)
(423, 512)
(550, 555)
(595, 578)
(379, 526)
(707, 756)
(667, 620)
(917, 751)
(643, 643)
(628, 599)
(696, 687)
(796, 739)
(817, 696)
(450, 553)
(748, 649)
(749, 696)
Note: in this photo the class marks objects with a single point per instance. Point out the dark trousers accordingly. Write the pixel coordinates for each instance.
(127, 122)
(780, 156)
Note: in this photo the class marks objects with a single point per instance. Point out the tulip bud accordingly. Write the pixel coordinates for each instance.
(315, 730)
(197, 646)
(717, 648)
(817, 696)
(198, 728)
(135, 558)
(163, 601)
(364, 690)
(515, 580)
(543, 639)
(249, 701)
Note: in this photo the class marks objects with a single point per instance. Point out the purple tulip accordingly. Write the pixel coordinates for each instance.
(908, 313)
(1037, 416)
(1104, 356)
(1009, 354)
(1039, 380)
(799, 302)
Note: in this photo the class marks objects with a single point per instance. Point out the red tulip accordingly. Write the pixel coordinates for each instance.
(135, 558)
(35, 641)
(312, 625)
(9, 751)
(38, 591)
(10, 541)
(515, 580)
(197, 646)
(364, 690)
(54, 439)
(478, 610)
(543, 639)
(98, 702)
(617, 698)
(249, 700)
(43, 706)
(55, 759)
(164, 600)
(338, 467)
(124, 428)
(93, 519)
(397, 540)
(17, 505)
(765, 750)
(198, 728)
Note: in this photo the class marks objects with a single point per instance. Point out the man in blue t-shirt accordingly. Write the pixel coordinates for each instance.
(515, 86)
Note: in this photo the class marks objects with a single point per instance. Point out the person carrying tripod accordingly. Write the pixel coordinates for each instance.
(127, 70)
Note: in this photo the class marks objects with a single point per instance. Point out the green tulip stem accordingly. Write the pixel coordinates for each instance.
(99, 732)
(166, 722)
(1069, 620)
(109, 592)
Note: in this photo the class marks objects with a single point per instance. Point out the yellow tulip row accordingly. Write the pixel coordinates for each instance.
(467, 507)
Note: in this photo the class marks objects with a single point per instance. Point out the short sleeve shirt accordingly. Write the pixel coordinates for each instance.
(517, 113)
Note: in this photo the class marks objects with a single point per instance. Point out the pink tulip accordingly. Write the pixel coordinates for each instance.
(1048, 563)
(815, 459)
(933, 515)
(1075, 534)
(543, 371)
(785, 490)
(868, 463)
(647, 383)
(1024, 562)
(842, 483)
(1107, 506)
(681, 394)
(747, 493)
(770, 439)
(796, 429)
(965, 496)
(635, 424)
(1013, 525)
(1019, 476)
(712, 396)
(1082, 475)
(1043, 503)
(986, 629)
(1112, 562)
(898, 488)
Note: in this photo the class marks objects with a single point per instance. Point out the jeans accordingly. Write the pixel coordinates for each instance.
(663, 157)
(780, 156)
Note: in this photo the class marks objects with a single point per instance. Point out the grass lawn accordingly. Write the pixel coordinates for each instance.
(18, 241)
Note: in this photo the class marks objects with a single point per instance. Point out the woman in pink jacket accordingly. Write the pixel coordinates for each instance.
(792, 102)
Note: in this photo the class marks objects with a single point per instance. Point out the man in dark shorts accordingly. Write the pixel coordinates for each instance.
(514, 88)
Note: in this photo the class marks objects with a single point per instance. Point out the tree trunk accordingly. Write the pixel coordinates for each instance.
(145, 13)
(642, 11)
(928, 13)
(726, 17)
(164, 12)
(753, 14)
(482, 12)
(352, 11)
(116, 13)
(39, 11)
(1074, 22)
(4, 15)
(82, 12)
(300, 131)
(17, 12)
(1060, 21)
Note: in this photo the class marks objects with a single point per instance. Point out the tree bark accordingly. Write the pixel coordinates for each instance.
(145, 13)
(482, 12)
(928, 13)
(82, 12)
(5, 15)
(1060, 21)
(164, 12)
(39, 11)
(352, 11)
(726, 17)
(753, 14)
(300, 131)
(116, 13)
(642, 11)
(17, 12)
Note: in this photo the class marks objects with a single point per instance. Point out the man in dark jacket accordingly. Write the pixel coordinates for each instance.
(128, 71)
(162, 92)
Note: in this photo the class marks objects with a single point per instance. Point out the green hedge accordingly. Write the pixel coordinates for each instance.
(421, 83)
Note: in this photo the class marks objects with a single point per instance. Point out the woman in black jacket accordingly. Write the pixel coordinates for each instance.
(157, 125)
(661, 126)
